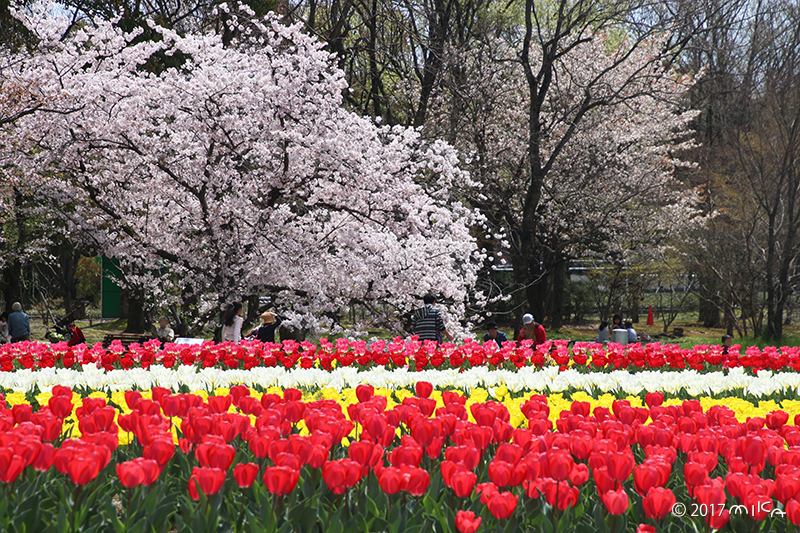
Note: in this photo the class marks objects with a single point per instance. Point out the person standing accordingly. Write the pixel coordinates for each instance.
(19, 324)
(493, 334)
(232, 329)
(427, 322)
(270, 322)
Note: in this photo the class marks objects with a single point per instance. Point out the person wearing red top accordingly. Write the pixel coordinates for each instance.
(532, 330)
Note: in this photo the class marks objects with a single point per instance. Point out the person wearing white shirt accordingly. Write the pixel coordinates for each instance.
(164, 332)
(232, 329)
(632, 337)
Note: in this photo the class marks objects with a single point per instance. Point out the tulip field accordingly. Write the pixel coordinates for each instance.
(398, 436)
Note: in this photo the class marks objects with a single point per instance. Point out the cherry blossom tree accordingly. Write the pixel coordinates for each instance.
(238, 172)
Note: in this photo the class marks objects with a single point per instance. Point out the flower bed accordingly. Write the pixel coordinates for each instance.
(419, 459)
(398, 353)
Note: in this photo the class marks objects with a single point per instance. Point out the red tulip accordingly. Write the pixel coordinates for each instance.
(245, 474)
(510, 453)
(658, 503)
(364, 392)
(219, 404)
(466, 522)
(777, 419)
(132, 397)
(21, 412)
(60, 406)
(45, 458)
(391, 480)
(469, 455)
(654, 399)
(793, 512)
(786, 487)
(51, 426)
(281, 480)
(645, 528)
(558, 464)
(482, 436)
(83, 468)
(695, 474)
(463, 483)
(341, 475)
(130, 474)
(559, 494)
(645, 477)
(615, 501)
(603, 480)
(215, 455)
(423, 389)
(406, 455)
(620, 465)
(294, 411)
(718, 520)
(292, 395)
(209, 480)
(318, 456)
(707, 459)
(711, 494)
(426, 431)
(416, 480)
(375, 426)
(160, 450)
(502, 505)
(60, 390)
(754, 451)
(11, 465)
(581, 447)
(137, 472)
(579, 475)
(486, 491)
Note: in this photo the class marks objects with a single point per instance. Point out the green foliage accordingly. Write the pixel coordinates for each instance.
(87, 279)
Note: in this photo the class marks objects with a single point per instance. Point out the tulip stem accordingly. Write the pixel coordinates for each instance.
(128, 512)
(74, 507)
(241, 508)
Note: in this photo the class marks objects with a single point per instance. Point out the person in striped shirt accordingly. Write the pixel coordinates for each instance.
(427, 321)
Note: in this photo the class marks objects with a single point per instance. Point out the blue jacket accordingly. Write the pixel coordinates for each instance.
(19, 324)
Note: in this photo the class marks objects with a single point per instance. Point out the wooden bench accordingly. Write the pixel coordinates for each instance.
(126, 338)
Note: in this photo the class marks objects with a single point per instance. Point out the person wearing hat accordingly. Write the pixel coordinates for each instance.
(266, 331)
(532, 330)
(493, 334)
(19, 324)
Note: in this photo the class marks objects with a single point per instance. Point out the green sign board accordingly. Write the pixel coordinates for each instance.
(111, 297)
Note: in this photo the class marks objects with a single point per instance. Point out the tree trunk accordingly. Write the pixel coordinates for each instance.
(437, 35)
(556, 296)
(12, 283)
(136, 314)
(709, 314)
